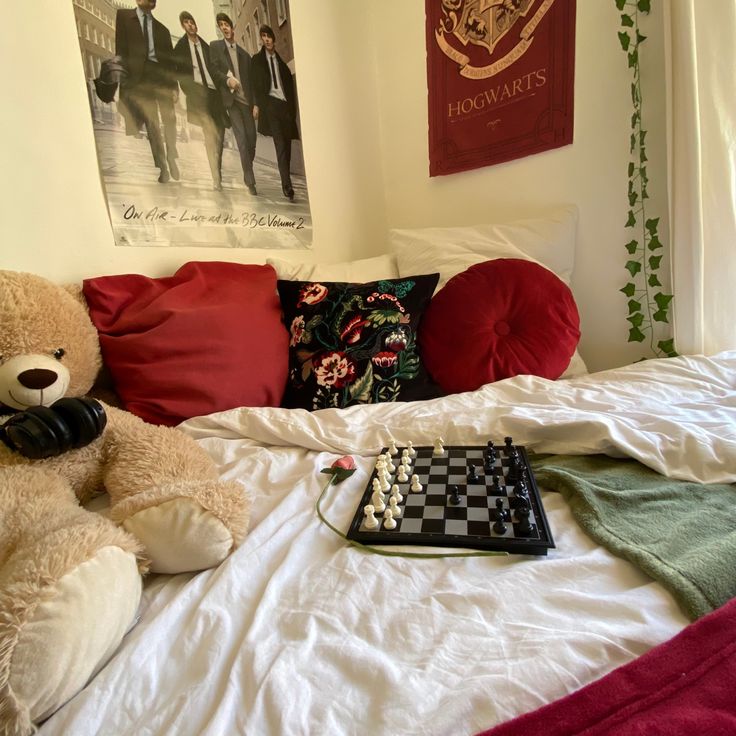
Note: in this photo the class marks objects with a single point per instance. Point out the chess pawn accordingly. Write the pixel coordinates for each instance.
(370, 519)
(415, 486)
(392, 449)
(394, 507)
(390, 467)
(410, 448)
(402, 477)
(377, 501)
(388, 520)
(396, 493)
(405, 460)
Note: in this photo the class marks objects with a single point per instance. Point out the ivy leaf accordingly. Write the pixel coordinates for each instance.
(662, 300)
(360, 390)
(634, 306)
(652, 225)
(644, 5)
(636, 335)
(633, 93)
(628, 290)
(642, 155)
(620, 4)
(633, 58)
(654, 262)
(633, 197)
(632, 219)
(634, 121)
(642, 136)
(632, 143)
(640, 37)
(644, 193)
(636, 319)
(654, 243)
(625, 40)
(632, 168)
(627, 20)
(633, 267)
(660, 316)
(654, 280)
(668, 347)
(631, 246)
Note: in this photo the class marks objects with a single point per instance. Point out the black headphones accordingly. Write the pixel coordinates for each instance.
(46, 431)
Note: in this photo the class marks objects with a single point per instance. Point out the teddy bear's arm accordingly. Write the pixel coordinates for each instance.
(164, 489)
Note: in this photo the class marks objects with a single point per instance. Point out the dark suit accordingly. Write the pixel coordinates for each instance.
(204, 104)
(276, 118)
(148, 90)
(239, 106)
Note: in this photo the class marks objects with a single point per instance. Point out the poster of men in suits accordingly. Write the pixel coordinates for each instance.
(196, 121)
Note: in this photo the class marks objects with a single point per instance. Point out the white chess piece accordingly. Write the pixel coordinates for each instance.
(390, 467)
(415, 486)
(401, 476)
(410, 447)
(388, 520)
(377, 486)
(439, 447)
(392, 449)
(370, 519)
(396, 493)
(394, 507)
(384, 480)
(377, 501)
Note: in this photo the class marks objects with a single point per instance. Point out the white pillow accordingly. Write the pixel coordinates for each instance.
(366, 269)
(548, 240)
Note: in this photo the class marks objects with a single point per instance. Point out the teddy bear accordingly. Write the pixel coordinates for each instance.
(71, 578)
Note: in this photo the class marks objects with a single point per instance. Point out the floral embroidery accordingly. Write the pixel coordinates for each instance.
(296, 330)
(333, 369)
(311, 294)
(354, 343)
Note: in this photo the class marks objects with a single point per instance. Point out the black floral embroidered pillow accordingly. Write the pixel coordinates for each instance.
(355, 343)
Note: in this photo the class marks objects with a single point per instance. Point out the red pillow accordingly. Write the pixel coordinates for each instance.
(208, 338)
(498, 319)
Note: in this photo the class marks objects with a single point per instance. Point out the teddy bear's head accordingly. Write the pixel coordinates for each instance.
(48, 344)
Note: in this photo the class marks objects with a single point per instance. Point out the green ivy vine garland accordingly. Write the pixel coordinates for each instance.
(647, 303)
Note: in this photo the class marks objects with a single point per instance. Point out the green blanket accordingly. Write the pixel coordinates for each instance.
(681, 534)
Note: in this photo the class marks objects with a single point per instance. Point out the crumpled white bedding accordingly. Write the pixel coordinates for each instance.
(298, 633)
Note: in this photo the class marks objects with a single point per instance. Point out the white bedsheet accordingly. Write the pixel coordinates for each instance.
(298, 633)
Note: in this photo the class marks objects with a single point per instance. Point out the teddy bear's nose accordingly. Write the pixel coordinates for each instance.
(37, 378)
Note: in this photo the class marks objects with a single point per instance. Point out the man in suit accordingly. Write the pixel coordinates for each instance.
(204, 105)
(231, 69)
(149, 89)
(276, 102)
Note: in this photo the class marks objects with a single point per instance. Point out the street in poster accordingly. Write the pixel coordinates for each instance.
(196, 121)
(501, 80)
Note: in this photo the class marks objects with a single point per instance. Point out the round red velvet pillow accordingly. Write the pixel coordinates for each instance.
(498, 319)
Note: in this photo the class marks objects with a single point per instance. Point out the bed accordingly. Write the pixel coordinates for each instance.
(300, 632)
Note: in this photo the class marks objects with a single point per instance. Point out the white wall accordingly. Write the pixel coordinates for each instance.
(365, 147)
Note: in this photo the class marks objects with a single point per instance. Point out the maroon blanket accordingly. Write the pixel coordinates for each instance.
(683, 687)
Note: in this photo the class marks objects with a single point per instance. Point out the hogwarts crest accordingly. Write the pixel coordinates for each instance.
(485, 23)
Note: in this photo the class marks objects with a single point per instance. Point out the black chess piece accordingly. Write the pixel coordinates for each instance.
(509, 442)
(520, 489)
(522, 517)
(496, 483)
(455, 495)
(472, 474)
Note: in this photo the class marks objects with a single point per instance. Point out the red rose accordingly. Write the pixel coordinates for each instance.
(340, 469)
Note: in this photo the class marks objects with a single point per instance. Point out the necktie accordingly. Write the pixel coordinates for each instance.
(146, 34)
(273, 75)
(200, 64)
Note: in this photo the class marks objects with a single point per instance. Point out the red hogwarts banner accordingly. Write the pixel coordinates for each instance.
(501, 80)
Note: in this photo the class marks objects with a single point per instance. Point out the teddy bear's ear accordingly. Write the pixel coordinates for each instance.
(76, 291)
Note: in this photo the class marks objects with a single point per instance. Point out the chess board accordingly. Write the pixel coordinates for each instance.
(500, 510)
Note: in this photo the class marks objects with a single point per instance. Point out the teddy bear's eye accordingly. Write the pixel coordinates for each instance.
(59, 353)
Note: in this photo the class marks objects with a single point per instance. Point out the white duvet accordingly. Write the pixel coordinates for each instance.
(297, 633)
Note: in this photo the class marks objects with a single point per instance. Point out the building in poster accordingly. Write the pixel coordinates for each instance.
(500, 78)
(157, 151)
